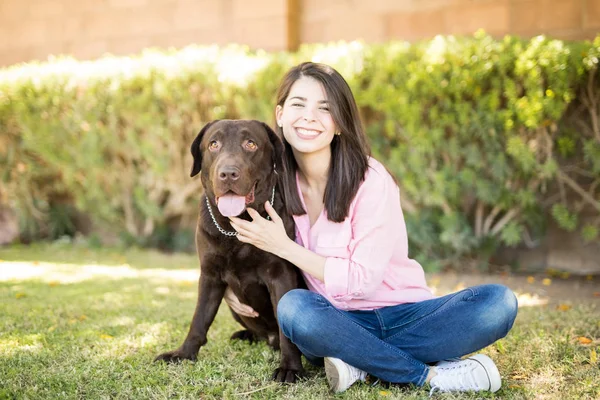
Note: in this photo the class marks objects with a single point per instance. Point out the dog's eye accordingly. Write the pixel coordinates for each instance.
(251, 145)
(214, 145)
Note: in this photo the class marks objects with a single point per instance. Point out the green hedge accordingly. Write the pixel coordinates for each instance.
(488, 138)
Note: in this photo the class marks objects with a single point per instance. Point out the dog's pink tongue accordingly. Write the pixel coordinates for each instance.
(231, 205)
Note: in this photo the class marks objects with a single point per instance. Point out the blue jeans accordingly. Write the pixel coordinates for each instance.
(396, 343)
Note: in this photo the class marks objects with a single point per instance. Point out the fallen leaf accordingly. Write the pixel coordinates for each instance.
(589, 277)
(593, 356)
(565, 275)
(584, 340)
(20, 295)
(547, 282)
(53, 283)
(596, 294)
(36, 263)
(519, 377)
(384, 393)
(105, 336)
(82, 317)
(563, 307)
(530, 279)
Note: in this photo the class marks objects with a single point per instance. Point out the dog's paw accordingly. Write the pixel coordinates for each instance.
(175, 356)
(244, 335)
(285, 375)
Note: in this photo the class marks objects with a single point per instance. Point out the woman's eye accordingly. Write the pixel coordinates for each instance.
(325, 109)
(214, 145)
(297, 105)
(250, 145)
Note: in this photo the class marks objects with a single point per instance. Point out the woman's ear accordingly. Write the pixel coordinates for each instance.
(278, 115)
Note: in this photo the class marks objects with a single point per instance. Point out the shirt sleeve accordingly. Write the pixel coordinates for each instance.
(378, 230)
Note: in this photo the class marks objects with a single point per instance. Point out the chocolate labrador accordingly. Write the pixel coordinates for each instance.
(238, 160)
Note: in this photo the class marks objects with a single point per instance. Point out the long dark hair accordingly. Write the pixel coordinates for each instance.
(349, 151)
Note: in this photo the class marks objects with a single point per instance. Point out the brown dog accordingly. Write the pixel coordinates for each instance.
(238, 160)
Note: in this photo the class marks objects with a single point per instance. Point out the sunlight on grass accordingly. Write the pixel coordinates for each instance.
(71, 273)
(118, 347)
(530, 300)
(525, 299)
(86, 323)
(28, 343)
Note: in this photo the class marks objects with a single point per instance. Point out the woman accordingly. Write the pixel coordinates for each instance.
(368, 309)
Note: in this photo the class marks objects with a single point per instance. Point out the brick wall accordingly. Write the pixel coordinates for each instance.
(378, 20)
(33, 29)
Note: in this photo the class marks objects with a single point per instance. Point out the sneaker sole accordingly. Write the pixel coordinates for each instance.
(491, 370)
(332, 374)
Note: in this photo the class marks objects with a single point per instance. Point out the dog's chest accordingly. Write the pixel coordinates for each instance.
(246, 265)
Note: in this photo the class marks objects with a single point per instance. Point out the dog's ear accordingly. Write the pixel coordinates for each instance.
(278, 148)
(195, 149)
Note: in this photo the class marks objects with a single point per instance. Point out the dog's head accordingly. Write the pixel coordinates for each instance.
(238, 159)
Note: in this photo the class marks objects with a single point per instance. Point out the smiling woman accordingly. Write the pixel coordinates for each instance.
(368, 309)
(309, 126)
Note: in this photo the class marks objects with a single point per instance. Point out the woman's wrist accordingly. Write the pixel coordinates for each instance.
(286, 250)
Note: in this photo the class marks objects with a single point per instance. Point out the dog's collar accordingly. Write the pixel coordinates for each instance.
(231, 233)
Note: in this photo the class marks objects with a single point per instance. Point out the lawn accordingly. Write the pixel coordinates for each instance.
(84, 323)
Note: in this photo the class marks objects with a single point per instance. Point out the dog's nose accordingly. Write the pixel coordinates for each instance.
(229, 173)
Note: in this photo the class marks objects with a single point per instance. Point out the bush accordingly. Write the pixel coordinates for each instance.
(488, 138)
(476, 131)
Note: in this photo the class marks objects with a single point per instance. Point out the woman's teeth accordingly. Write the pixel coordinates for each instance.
(307, 132)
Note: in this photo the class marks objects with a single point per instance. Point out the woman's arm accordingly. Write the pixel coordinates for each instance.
(270, 236)
(378, 235)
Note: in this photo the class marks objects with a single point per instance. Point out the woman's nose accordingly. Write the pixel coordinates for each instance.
(308, 115)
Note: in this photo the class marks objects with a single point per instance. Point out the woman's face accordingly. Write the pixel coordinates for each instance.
(305, 118)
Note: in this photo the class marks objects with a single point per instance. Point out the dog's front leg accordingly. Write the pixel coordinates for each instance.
(290, 366)
(210, 294)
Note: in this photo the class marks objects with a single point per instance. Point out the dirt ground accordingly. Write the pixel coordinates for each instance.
(555, 288)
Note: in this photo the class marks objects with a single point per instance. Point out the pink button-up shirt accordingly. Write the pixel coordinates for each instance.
(367, 264)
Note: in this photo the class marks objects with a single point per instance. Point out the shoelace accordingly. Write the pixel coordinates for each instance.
(355, 373)
(454, 378)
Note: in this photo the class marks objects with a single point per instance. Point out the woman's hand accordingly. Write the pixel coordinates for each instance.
(239, 308)
(266, 235)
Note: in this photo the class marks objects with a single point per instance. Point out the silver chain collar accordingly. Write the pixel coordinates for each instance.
(231, 233)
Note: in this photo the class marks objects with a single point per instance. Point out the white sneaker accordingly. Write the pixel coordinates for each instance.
(340, 375)
(476, 373)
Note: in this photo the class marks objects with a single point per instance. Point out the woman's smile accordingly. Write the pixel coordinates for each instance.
(307, 134)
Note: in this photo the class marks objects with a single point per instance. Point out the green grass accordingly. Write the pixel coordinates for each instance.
(80, 323)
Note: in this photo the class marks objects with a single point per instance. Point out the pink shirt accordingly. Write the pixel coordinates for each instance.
(367, 263)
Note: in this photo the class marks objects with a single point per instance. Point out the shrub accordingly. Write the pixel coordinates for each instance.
(488, 138)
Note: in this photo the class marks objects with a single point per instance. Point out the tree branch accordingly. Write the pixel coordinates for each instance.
(479, 219)
(490, 220)
(512, 213)
(562, 177)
